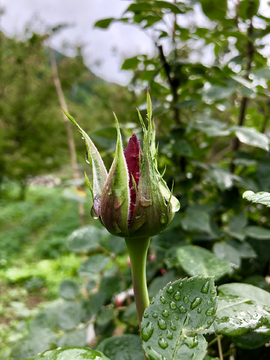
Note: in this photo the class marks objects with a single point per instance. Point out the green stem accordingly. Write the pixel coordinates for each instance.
(137, 249)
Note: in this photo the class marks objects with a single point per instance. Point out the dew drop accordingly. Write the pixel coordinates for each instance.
(196, 302)
(182, 309)
(186, 320)
(210, 311)
(181, 285)
(94, 214)
(163, 343)
(173, 305)
(147, 331)
(163, 218)
(176, 318)
(155, 315)
(162, 324)
(162, 299)
(165, 313)
(199, 310)
(170, 289)
(177, 295)
(169, 335)
(191, 341)
(213, 298)
(82, 137)
(205, 288)
(173, 327)
(213, 292)
(152, 301)
(145, 315)
(185, 299)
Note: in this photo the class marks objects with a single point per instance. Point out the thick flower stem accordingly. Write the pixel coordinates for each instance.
(137, 249)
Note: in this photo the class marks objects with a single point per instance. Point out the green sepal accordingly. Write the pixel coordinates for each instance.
(115, 196)
(98, 168)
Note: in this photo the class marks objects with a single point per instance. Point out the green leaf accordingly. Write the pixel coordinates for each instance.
(94, 264)
(257, 232)
(104, 23)
(86, 238)
(228, 253)
(166, 5)
(215, 93)
(198, 261)
(196, 220)
(69, 290)
(105, 317)
(187, 305)
(69, 315)
(261, 197)
(214, 10)
(31, 344)
(73, 338)
(248, 8)
(131, 63)
(126, 347)
(72, 353)
(221, 177)
(253, 340)
(251, 136)
(247, 291)
(187, 104)
(241, 308)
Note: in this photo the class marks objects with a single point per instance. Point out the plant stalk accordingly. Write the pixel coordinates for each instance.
(137, 249)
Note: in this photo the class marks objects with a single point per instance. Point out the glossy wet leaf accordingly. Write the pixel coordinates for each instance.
(198, 261)
(86, 238)
(261, 197)
(94, 264)
(236, 316)
(69, 353)
(126, 347)
(247, 291)
(257, 232)
(69, 290)
(181, 307)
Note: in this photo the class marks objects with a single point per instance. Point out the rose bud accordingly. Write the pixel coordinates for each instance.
(132, 200)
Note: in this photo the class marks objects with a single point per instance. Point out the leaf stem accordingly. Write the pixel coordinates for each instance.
(219, 347)
(137, 249)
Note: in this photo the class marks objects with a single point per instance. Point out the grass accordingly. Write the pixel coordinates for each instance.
(33, 255)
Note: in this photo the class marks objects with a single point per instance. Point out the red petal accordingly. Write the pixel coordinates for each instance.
(131, 153)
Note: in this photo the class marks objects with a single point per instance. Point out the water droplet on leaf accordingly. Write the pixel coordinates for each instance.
(155, 315)
(162, 324)
(163, 343)
(205, 288)
(173, 305)
(147, 331)
(165, 313)
(182, 309)
(169, 335)
(162, 299)
(177, 295)
(210, 311)
(185, 299)
(196, 302)
(170, 289)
